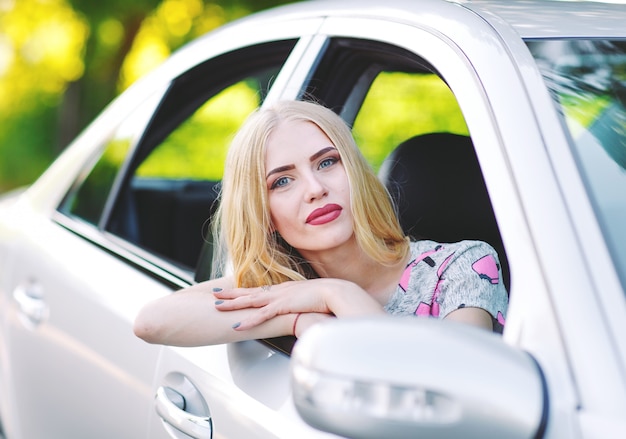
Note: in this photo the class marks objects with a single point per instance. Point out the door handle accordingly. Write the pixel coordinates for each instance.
(29, 298)
(171, 407)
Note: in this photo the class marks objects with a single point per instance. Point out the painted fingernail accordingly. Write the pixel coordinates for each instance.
(236, 325)
(217, 290)
(219, 302)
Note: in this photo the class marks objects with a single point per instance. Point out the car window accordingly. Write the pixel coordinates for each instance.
(87, 197)
(587, 80)
(174, 190)
(385, 118)
(196, 149)
(409, 126)
(169, 191)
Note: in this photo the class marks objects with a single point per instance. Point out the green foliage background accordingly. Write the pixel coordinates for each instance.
(63, 61)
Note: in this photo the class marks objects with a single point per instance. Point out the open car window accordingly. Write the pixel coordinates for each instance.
(410, 127)
(171, 183)
(87, 198)
(172, 194)
(155, 184)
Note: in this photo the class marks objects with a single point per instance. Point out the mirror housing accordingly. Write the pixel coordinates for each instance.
(396, 377)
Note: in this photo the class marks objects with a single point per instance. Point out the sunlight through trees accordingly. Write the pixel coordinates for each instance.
(62, 61)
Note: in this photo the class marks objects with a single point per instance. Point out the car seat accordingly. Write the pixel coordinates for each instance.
(438, 189)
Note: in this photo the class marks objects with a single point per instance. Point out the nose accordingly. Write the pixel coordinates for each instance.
(315, 188)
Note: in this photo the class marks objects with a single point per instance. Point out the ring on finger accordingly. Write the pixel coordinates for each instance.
(266, 287)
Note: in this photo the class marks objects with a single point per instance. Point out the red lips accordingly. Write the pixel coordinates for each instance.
(324, 214)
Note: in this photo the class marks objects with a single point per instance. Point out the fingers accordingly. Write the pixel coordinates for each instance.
(260, 316)
(240, 299)
(233, 293)
(247, 298)
(264, 303)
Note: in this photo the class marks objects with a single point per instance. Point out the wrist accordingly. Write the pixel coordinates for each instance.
(294, 327)
(308, 319)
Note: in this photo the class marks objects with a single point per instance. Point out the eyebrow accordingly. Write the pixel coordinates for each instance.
(318, 154)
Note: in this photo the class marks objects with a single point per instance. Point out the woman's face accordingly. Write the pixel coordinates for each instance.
(308, 189)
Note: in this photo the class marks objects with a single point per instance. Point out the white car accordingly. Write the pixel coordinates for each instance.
(496, 120)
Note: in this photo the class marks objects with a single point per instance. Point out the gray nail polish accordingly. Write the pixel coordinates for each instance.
(236, 325)
(219, 302)
(217, 290)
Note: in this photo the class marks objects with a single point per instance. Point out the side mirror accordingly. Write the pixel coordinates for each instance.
(393, 377)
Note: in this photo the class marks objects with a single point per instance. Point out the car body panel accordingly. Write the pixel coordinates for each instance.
(235, 380)
(80, 356)
(584, 238)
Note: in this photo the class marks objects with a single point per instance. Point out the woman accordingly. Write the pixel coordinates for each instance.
(310, 233)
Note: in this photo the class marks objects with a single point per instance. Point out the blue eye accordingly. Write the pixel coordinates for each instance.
(279, 182)
(328, 162)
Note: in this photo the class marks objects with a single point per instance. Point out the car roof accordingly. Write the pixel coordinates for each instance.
(551, 18)
(529, 18)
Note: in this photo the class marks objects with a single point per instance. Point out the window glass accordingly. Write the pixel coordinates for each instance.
(400, 105)
(587, 80)
(174, 190)
(196, 149)
(88, 196)
(87, 202)
(170, 192)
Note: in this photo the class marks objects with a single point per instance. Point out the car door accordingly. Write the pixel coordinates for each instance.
(74, 369)
(362, 72)
(164, 204)
(129, 230)
(393, 81)
(353, 66)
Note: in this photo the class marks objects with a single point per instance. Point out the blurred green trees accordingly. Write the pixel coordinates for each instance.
(62, 61)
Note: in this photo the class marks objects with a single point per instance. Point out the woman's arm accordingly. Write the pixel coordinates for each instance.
(308, 319)
(472, 316)
(214, 312)
(189, 318)
(324, 296)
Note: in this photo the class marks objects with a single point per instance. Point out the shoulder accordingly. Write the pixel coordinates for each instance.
(460, 245)
(469, 255)
(466, 248)
(479, 255)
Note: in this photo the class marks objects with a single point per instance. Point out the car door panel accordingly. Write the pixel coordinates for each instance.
(196, 402)
(245, 386)
(511, 154)
(81, 353)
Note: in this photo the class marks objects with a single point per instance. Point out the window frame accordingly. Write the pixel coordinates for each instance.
(185, 95)
(98, 234)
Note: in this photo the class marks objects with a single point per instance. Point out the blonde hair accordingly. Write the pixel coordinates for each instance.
(257, 254)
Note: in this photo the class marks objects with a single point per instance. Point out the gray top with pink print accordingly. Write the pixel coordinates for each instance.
(441, 278)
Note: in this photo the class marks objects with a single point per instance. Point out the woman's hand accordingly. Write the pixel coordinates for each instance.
(188, 317)
(191, 317)
(324, 296)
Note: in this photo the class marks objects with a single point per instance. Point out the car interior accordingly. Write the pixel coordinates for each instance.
(432, 205)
